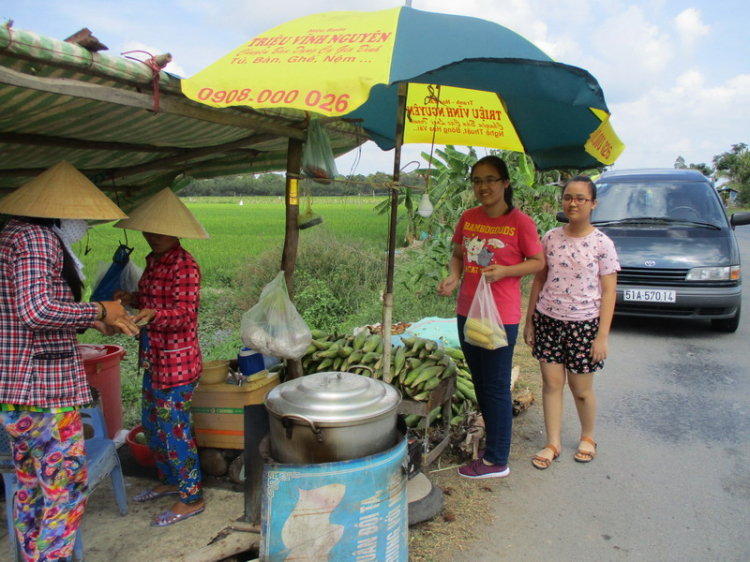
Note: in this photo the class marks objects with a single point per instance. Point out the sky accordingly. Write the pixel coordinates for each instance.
(675, 73)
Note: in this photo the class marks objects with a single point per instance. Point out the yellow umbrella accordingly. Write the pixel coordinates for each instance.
(405, 75)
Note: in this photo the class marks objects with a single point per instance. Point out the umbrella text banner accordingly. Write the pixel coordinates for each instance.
(304, 66)
(445, 115)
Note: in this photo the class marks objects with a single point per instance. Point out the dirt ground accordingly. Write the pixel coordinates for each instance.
(108, 536)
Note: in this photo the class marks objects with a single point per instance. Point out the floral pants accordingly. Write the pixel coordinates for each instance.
(50, 461)
(566, 342)
(165, 416)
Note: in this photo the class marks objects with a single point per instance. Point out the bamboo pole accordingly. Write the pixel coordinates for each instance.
(388, 296)
(291, 237)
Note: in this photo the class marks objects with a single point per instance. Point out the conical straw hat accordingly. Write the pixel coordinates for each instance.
(164, 213)
(61, 192)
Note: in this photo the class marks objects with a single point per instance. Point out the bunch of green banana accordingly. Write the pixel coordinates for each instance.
(417, 367)
(337, 352)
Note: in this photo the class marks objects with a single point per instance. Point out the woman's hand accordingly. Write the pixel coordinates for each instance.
(144, 316)
(117, 318)
(447, 286)
(495, 272)
(124, 297)
(528, 333)
(599, 349)
(103, 328)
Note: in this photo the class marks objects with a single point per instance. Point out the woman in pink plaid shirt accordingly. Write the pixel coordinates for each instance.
(168, 298)
(42, 379)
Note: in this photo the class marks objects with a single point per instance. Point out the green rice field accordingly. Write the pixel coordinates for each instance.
(239, 232)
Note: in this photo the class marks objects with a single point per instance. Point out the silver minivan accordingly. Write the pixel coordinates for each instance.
(676, 245)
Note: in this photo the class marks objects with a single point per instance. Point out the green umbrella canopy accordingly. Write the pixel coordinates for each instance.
(349, 64)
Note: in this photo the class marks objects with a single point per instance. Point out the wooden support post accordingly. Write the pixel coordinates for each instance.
(291, 238)
(388, 296)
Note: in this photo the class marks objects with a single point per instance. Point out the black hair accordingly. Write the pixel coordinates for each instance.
(502, 169)
(69, 271)
(583, 179)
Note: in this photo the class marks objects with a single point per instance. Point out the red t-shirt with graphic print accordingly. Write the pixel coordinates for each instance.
(505, 240)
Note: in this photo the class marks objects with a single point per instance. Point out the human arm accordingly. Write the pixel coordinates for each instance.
(126, 298)
(536, 288)
(455, 270)
(42, 298)
(599, 346)
(529, 266)
(114, 319)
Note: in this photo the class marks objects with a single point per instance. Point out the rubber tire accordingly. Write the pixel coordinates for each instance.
(727, 325)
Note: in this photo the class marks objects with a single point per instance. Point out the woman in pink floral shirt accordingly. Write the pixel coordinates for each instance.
(570, 311)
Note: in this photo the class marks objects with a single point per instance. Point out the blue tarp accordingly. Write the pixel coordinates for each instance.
(442, 330)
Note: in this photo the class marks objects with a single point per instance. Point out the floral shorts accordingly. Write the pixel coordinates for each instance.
(568, 343)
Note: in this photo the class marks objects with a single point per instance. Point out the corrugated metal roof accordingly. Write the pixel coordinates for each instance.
(59, 101)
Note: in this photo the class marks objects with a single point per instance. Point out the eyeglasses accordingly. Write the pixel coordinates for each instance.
(478, 182)
(580, 200)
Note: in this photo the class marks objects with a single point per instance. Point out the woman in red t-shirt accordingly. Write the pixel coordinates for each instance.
(499, 242)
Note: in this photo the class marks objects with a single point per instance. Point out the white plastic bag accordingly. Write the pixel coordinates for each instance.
(130, 276)
(318, 161)
(484, 327)
(273, 326)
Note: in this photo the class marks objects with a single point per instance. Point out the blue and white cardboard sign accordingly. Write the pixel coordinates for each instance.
(348, 511)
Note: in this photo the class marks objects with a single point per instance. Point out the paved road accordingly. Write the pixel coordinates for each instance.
(671, 482)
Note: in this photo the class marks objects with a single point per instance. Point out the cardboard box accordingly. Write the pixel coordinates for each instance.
(218, 410)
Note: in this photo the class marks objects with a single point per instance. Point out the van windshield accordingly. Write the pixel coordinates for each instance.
(659, 199)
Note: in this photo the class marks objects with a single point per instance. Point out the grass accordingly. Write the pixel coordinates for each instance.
(242, 232)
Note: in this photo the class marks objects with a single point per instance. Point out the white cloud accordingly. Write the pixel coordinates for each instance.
(690, 28)
(688, 119)
(633, 52)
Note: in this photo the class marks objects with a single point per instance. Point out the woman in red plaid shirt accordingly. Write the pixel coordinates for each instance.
(42, 379)
(168, 298)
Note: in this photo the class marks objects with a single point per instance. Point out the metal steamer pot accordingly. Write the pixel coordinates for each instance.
(330, 417)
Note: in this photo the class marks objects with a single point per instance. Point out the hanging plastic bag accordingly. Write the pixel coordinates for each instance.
(317, 157)
(110, 276)
(308, 218)
(130, 276)
(484, 327)
(273, 326)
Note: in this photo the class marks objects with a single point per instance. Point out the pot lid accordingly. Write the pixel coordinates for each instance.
(333, 397)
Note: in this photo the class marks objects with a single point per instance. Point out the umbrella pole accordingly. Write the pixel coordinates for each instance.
(388, 296)
(291, 237)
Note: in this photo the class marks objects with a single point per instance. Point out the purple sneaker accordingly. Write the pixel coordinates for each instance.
(477, 469)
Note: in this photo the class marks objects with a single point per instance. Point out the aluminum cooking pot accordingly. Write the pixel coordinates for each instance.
(330, 417)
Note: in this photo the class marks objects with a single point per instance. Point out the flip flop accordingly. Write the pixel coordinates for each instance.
(148, 495)
(169, 517)
(543, 463)
(586, 456)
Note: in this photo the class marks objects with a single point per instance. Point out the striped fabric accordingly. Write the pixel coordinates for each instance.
(38, 128)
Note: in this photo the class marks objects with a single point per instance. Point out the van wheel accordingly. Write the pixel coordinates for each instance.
(728, 325)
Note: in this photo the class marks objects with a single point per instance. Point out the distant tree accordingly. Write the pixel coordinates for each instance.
(680, 163)
(704, 169)
(734, 165)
